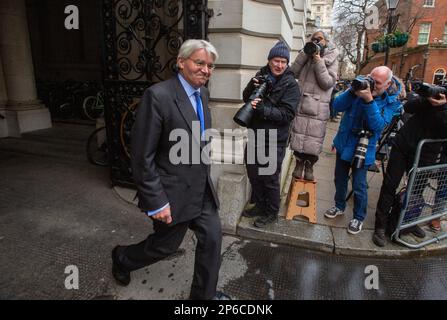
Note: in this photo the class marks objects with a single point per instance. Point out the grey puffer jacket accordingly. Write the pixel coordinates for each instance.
(316, 80)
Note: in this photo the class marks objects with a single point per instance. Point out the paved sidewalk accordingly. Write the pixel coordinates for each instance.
(58, 210)
(330, 235)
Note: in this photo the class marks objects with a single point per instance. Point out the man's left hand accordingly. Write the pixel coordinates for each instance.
(365, 95)
(438, 101)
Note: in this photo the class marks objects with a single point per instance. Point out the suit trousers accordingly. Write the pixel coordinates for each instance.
(166, 239)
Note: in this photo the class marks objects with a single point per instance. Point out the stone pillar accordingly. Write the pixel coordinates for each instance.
(243, 32)
(24, 112)
(3, 99)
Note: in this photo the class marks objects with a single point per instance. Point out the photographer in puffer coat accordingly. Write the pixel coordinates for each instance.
(316, 69)
(272, 113)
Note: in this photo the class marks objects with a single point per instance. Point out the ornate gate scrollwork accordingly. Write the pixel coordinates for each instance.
(140, 46)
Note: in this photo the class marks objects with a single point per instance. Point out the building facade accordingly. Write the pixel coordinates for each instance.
(426, 49)
(35, 46)
(321, 14)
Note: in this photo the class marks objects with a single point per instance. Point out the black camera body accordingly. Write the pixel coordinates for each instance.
(361, 148)
(428, 90)
(311, 47)
(361, 83)
(245, 114)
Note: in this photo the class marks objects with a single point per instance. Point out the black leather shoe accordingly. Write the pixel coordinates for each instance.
(379, 237)
(121, 275)
(253, 212)
(221, 296)
(262, 222)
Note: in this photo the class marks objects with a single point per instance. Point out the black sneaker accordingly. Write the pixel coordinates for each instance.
(379, 237)
(333, 212)
(253, 212)
(355, 226)
(262, 222)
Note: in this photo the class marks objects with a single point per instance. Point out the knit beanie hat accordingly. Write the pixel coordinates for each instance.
(279, 50)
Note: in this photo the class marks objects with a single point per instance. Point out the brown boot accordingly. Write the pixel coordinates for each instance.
(298, 172)
(308, 171)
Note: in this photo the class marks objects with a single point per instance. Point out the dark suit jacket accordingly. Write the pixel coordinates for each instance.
(165, 107)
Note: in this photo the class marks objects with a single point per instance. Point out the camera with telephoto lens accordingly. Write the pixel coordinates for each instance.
(245, 114)
(428, 90)
(361, 148)
(362, 83)
(313, 46)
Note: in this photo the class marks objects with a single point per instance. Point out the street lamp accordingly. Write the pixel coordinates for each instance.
(425, 56)
(391, 6)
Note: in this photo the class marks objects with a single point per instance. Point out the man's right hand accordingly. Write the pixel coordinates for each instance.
(438, 101)
(163, 216)
(254, 103)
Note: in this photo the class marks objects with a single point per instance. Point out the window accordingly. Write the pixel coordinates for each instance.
(444, 38)
(424, 33)
(318, 8)
(317, 21)
(438, 76)
(429, 3)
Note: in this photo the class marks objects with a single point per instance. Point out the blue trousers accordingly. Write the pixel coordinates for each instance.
(359, 185)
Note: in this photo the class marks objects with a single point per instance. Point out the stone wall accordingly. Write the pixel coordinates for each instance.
(243, 32)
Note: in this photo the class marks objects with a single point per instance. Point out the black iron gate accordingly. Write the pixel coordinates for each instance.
(141, 43)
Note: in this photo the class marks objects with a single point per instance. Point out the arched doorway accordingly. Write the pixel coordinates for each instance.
(438, 76)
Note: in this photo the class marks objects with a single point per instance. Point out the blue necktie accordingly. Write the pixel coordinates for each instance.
(200, 112)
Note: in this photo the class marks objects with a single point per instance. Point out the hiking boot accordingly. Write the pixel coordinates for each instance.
(435, 225)
(298, 172)
(262, 222)
(333, 212)
(415, 230)
(379, 237)
(355, 226)
(253, 212)
(308, 171)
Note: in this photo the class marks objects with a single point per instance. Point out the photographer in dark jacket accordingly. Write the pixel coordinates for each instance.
(428, 122)
(274, 112)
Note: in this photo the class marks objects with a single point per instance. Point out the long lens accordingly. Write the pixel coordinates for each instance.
(360, 153)
(359, 84)
(310, 48)
(245, 114)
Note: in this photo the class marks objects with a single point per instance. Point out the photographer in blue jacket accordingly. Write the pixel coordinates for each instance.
(368, 106)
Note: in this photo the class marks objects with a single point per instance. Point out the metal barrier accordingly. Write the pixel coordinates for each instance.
(426, 197)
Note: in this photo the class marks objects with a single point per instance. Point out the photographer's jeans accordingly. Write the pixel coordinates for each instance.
(359, 186)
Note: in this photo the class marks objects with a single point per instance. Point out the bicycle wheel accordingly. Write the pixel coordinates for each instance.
(65, 111)
(97, 150)
(91, 108)
(127, 120)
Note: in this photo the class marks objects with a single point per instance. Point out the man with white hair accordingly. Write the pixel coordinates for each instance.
(176, 197)
(366, 112)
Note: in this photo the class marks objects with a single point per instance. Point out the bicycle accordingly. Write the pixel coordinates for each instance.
(126, 123)
(93, 106)
(97, 149)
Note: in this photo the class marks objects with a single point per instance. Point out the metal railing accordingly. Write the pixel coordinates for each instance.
(426, 197)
